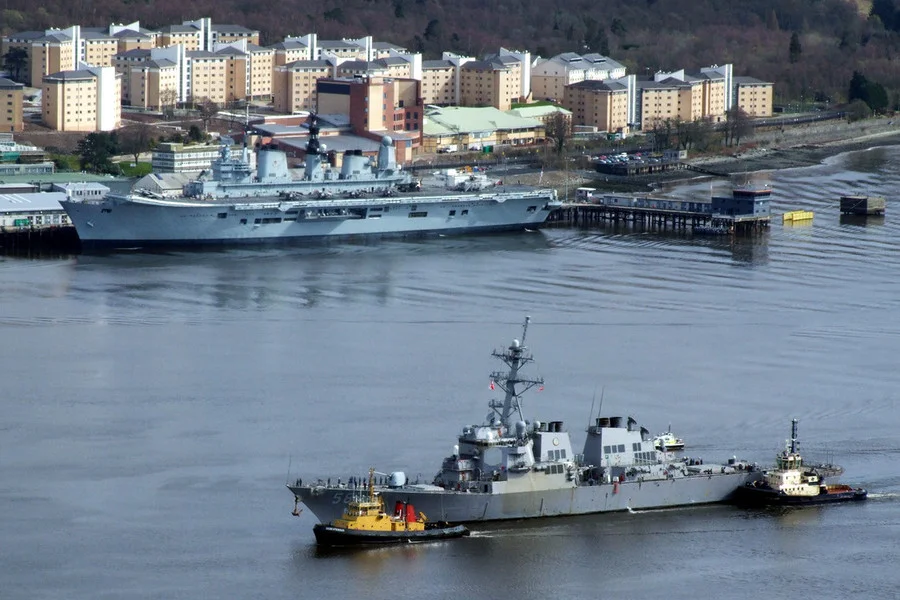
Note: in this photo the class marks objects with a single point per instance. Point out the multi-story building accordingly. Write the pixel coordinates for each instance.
(11, 106)
(753, 96)
(149, 83)
(391, 66)
(228, 34)
(439, 82)
(98, 47)
(294, 84)
(185, 35)
(600, 104)
(659, 101)
(83, 100)
(208, 76)
(130, 39)
(289, 51)
(550, 77)
(706, 95)
(496, 82)
(179, 158)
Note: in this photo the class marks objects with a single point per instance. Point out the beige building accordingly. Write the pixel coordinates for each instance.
(98, 48)
(294, 85)
(496, 83)
(48, 52)
(228, 34)
(382, 67)
(11, 106)
(150, 84)
(84, 100)
(129, 39)
(439, 82)
(658, 102)
(600, 104)
(754, 97)
(550, 77)
(186, 35)
(262, 64)
(208, 76)
(289, 51)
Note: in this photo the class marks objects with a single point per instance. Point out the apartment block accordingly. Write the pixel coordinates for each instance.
(601, 104)
(550, 77)
(289, 51)
(659, 101)
(382, 67)
(130, 39)
(496, 82)
(754, 97)
(83, 100)
(294, 85)
(439, 82)
(208, 76)
(11, 119)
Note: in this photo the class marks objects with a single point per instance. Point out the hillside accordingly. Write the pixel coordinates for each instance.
(836, 36)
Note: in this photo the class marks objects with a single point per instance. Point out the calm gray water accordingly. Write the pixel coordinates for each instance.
(154, 404)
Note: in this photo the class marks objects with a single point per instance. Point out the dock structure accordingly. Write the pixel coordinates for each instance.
(862, 205)
(746, 211)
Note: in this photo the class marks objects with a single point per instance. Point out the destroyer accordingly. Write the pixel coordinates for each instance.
(513, 468)
(238, 204)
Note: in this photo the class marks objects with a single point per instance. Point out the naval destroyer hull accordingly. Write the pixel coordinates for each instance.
(154, 223)
(327, 503)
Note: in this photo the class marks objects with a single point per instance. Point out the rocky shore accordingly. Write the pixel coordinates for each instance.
(788, 148)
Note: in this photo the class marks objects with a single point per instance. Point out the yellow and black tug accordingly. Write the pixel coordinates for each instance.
(365, 522)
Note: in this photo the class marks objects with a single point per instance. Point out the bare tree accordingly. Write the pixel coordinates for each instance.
(207, 110)
(167, 99)
(135, 139)
(558, 127)
(737, 126)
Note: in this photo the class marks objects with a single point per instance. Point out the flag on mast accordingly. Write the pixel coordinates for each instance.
(492, 384)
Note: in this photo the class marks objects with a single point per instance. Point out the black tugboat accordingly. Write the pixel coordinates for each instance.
(791, 483)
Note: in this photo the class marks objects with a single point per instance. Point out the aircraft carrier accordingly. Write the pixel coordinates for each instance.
(365, 197)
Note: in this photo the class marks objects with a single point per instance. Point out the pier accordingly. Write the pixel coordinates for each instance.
(586, 215)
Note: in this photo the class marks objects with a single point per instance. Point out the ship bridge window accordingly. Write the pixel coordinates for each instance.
(222, 215)
(621, 448)
(418, 214)
(562, 453)
(607, 449)
(635, 447)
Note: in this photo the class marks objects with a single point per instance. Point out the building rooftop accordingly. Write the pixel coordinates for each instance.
(178, 29)
(9, 84)
(741, 80)
(437, 64)
(220, 28)
(131, 33)
(11, 203)
(81, 74)
(464, 119)
(538, 111)
(309, 64)
(289, 44)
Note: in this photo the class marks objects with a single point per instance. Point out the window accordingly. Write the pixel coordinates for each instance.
(452, 213)
(464, 212)
(222, 215)
(418, 214)
(621, 447)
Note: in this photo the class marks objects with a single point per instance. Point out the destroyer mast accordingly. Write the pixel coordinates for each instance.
(515, 357)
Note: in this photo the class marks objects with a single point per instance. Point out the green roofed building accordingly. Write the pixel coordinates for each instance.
(482, 129)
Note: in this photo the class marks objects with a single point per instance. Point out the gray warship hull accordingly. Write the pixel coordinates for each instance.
(327, 502)
(157, 222)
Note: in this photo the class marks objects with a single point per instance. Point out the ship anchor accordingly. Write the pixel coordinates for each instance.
(297, 510)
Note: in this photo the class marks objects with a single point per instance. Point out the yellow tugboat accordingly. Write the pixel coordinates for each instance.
(365, 522)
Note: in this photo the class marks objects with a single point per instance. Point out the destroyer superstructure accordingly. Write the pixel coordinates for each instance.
(512, 468)
(236, 203)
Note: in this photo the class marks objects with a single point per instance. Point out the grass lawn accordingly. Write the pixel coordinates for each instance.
(141, 169)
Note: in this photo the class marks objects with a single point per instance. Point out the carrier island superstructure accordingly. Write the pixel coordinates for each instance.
(237, 204)
(512, 468)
